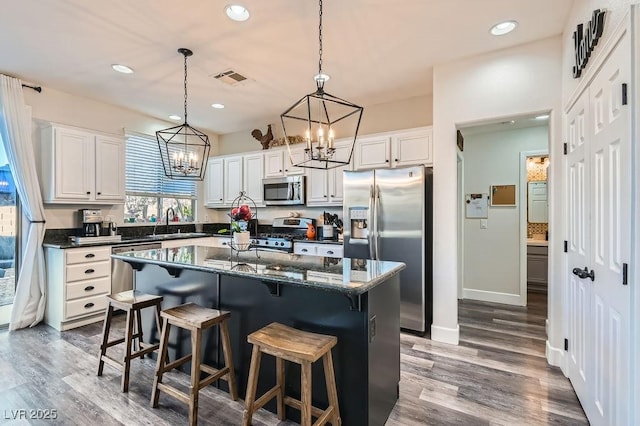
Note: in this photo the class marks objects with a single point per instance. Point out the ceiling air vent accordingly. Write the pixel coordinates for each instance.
(230, 77)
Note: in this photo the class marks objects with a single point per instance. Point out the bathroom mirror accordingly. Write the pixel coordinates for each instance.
(537, 205)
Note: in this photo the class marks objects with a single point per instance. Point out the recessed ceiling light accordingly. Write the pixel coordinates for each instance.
(503, 28)
(237, 12)
(175, 117)
(217, 106)
(122, 68)
(542, 117)
(322, 76)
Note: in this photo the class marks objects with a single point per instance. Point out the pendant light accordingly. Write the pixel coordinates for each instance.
(184, 150)
(321, 117)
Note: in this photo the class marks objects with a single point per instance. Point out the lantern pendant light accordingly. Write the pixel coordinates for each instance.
(321, 117)
(184, 150)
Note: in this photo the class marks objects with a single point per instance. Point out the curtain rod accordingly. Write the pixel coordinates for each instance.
(36, 88)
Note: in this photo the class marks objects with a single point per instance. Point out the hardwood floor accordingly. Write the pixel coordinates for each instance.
(497, 375)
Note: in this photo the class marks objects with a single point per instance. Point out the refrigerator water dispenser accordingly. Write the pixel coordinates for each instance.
(359, 217)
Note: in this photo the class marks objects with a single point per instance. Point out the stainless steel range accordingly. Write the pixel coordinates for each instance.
(283, 231)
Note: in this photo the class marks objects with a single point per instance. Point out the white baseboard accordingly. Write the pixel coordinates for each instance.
(492, 296)
(555, 356)
(445, 334)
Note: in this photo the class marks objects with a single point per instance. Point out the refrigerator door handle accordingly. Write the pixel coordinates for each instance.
(370, 236)
(377, 222)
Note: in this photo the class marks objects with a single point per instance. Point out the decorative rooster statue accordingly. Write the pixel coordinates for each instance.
(264, 140)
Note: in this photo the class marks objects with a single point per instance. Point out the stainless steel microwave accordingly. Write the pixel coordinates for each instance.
(283, 191)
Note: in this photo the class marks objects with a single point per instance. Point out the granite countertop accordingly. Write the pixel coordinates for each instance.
(65, 243)
(349, 276)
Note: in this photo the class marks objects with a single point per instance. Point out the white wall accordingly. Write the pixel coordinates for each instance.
(403, 114)
(492, 256)
(63, 108)
(515, 81)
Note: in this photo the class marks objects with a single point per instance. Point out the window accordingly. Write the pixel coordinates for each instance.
(149, 192)
(8, 233)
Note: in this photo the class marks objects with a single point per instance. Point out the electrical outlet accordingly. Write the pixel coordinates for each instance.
(109, 218)
(483, 223)
(206, 218)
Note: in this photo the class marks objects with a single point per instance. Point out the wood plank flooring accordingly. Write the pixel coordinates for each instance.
(496, 376)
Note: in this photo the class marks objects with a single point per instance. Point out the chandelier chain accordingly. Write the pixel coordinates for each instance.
(185, 88)
(320, 42)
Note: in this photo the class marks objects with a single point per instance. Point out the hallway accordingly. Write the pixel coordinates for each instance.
(497, 375)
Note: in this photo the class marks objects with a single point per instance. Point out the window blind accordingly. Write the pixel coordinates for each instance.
(145, 174)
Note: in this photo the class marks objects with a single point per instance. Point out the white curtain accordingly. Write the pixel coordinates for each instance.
(15, 132)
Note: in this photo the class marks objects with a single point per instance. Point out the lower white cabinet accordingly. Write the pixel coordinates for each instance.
(537, 268)
(318, 249)
(78, 280)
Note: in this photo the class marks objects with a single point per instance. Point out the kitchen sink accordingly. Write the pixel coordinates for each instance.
(175, 236)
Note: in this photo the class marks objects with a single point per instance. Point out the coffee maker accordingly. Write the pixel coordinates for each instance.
(91, 222)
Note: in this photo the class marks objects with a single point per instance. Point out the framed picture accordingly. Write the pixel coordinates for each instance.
(503, 195)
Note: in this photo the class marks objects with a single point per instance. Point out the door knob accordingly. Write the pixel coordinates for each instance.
(584, 273)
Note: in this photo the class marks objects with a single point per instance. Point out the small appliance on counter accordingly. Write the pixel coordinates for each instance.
(91, 222)
(92, 230)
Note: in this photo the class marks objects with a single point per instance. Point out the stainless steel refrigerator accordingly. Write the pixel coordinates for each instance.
(388, 216)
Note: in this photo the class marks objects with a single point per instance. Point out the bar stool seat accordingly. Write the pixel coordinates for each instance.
(132, 302)
(194, 318)
(300, 347)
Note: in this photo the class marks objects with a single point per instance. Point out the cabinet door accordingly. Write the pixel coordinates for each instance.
(297, 156)
(335, 176)
(317, 187)
(74, 164)
(252, 166)
(372, 152)
(110, 174)
(214, 183)
(273, 164)
(412, 148)
(232, 178)
(537, 202)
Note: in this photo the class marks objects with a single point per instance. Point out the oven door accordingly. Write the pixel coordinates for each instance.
(283, 191)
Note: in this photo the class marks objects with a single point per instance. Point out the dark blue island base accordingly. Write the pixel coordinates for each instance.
(367, 325)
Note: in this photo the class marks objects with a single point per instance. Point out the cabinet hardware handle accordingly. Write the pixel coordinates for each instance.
(304, 250)
(332, 196)
(88, 192)
(386, 161)
(99, 193)
(89, 305)
(224, 244)
(330, 252)
(89, 271)
(286, 170)
(90, 255)
(396, 160)
(89, 288)
(220, 199)
(280, 170)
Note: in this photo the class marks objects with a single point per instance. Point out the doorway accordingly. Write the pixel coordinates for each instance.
(9, 214)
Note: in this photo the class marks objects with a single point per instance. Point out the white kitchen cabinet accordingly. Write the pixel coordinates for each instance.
(318, 249)
(278, 163)
(232, 178)
(324, 187)
(538, 207)
(78, 280)
(252, 177)
(214, 183)
(227, 176)
(79, 166)
(537, 268)
(397, 149)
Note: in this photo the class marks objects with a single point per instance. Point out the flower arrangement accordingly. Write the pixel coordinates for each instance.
(240, 217)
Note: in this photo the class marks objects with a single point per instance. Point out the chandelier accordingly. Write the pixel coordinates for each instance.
(321, 117)
(184, 150)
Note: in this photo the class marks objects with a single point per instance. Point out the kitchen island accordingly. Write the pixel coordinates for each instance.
(356, 300)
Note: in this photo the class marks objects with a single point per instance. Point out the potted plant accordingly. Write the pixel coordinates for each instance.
(240, 217)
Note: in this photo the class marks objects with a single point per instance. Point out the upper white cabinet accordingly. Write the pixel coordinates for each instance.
(538, 209)
(227, 176)
(395, 149)
(79, 166)
(324, 187)
(277, 162)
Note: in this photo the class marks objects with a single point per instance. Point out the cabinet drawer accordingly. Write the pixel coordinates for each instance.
(88, 271)
(542, 250)
(86, 305)
(88, 288)
(329, 251)
(305, 249)
(89, 254)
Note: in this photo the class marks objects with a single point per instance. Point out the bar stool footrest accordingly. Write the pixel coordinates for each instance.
(170, 390)
(214, 374)
(268, 396)
(175, 364)
(118, 365)
(315, 411)
(146, 348)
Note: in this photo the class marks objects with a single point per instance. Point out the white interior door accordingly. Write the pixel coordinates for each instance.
(599, 167)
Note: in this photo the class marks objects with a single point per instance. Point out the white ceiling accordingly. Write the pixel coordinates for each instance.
(375, 50)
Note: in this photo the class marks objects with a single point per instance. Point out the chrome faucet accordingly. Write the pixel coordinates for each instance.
(173, 214)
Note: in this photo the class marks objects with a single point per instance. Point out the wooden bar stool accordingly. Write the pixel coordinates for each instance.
(194, 318)
(304, 348)
(132, 302)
